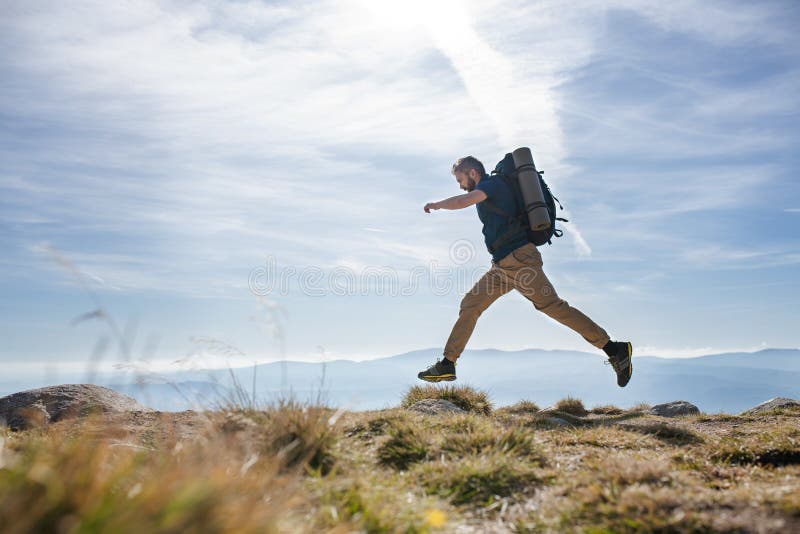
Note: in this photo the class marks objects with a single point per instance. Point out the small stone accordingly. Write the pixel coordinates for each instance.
(435, 407)
(674, 409)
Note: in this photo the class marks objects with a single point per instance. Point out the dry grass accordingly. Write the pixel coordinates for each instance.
(521, 407)
(479, 480)
(53, 482)
(292, 467)
(669, 433)
(464, 397)
(778, 447)
(607, 409)
(405, 446)
(571, 406)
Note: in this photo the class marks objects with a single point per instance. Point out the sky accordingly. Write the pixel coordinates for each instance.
(243, 181)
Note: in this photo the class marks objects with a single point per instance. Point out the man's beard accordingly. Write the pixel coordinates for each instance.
(470, 185)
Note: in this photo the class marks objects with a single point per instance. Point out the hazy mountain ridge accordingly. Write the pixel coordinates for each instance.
(720, 382)
(728, 382)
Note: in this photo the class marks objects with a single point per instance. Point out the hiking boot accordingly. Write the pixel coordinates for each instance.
(442, 370)
(622, 362)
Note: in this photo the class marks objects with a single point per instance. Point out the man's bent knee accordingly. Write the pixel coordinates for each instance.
(553, 308)
(473, 305)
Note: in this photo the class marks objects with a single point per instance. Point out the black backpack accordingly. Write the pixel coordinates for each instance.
(518, 222)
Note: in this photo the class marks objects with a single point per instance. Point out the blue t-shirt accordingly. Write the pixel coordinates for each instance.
(494, 224)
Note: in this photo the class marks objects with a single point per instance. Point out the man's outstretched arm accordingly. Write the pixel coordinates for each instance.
(457, 202)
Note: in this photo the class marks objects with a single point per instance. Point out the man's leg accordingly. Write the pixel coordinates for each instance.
(523, 268)
(489, 288)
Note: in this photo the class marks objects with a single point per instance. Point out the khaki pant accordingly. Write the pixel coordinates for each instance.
(520, 270)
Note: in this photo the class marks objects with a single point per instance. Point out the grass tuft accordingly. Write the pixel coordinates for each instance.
(404, 447)
(488, 440)
(786, 411)
(301, 434)
(371, 509)
(571, 406)
(479, 480)
(718, 418)
(57, 482)
(665, 432)
(520, 408)
(464, 397)
(780, 447)
(607, 409)
(637, 508)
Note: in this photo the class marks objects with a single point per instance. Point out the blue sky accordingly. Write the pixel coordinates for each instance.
(156, 157)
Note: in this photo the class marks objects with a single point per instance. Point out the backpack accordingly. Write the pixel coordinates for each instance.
(518, 222)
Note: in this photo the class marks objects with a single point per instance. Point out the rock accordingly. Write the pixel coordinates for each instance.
(435, 406)
(772, 404)
(557, 421)
(33, 416)
(37, 407)
(674, 409)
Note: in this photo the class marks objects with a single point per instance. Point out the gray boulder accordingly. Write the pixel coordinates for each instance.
(557, 421)
(772, 404)
(37, 407)
(674, 409)
(435, 406)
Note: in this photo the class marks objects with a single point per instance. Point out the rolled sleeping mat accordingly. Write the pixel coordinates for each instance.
(528, 176)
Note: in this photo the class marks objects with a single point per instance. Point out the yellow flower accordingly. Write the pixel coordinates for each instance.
(435, 518)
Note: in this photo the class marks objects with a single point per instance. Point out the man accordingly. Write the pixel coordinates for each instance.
(516, 264)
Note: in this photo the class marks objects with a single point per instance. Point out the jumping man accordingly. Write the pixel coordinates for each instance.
(516, 264)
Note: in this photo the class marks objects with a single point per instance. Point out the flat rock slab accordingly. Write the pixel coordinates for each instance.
(55, 403)
(772, 404)
(674, 409)
(435, 406)
(557, 421)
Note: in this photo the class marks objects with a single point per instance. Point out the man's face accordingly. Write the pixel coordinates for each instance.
(466, 179)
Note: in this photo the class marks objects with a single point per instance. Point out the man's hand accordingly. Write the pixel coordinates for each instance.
(457, 202)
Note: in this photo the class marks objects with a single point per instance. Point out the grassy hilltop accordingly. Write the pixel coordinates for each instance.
(291, 467)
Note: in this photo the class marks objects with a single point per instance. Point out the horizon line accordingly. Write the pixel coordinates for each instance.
(172, 365)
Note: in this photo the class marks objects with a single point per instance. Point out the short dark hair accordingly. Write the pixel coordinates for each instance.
(466, 163)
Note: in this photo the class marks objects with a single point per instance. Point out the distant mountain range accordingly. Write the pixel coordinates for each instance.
(729, 382)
